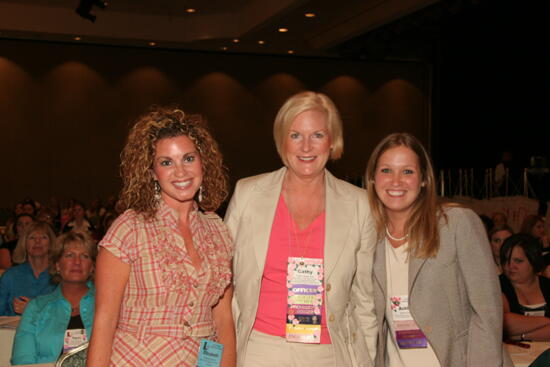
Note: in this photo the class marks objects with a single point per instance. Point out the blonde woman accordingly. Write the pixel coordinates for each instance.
(21, 283)
(437, 296)
(304, 245)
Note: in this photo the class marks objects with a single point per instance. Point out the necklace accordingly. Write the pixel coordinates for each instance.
(394, 238)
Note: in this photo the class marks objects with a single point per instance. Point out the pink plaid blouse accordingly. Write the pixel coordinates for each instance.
(167, 303)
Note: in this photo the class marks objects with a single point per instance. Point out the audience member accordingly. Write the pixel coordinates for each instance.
(79, 222)
(436, 293)
(55, 323)
(22, 222)
(496, 238)
(526, 296)
(534, 225)
(21, 283)
(164, 252)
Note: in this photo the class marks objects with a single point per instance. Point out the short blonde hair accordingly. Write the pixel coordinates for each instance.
(307, 101)
(20, 252)
(61, 244)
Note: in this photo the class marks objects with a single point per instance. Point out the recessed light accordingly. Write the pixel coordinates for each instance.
(152, 44)
(261, 42)
(290, 52)
(309, 15)
(236, 40)
(77, 38)
(190, 10)
(283, 30)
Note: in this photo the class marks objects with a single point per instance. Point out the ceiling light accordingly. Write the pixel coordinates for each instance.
(77, 38)
(236, 40)
(190, 10)
(152, 44)
(224, 48)
(290, 52)
(309, 15)
(261, 42)
(283, 30)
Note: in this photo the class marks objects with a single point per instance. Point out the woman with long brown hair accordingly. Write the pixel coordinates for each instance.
(436, 292)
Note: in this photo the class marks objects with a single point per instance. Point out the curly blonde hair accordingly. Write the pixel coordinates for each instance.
(138, 192)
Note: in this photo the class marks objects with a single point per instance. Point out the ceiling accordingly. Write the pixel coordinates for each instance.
(216, 25)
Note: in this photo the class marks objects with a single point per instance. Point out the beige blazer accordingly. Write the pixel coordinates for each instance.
(455, 297)
(349, 248)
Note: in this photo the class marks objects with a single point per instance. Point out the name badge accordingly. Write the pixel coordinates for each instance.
(210, 354)
(305, 298)
(407, 333)
(73, 338)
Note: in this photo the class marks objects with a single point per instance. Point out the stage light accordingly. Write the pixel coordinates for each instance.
(85, 7)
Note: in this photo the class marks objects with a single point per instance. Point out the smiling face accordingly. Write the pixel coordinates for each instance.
(75, 264)
(38, 243)
(397, 180)
(177, 167)
(307, 145)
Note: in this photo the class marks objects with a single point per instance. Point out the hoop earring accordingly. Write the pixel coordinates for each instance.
(157, 190)
(200, 194)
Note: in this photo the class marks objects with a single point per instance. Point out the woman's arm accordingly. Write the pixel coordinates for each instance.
(225, 328)
(24, 344)
(362, 291)
(537, 327)
(111, 277)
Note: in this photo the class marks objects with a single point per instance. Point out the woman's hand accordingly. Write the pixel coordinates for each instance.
(19, 304)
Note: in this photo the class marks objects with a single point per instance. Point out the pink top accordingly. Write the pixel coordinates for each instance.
(287, 240)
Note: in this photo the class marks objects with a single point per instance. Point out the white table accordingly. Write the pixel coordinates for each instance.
(523, 357)
(8, 324)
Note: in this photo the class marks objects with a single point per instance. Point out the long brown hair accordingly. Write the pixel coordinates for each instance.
(138, 191)
(422, 224)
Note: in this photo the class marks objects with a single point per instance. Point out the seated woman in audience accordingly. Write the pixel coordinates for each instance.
(55, 323)
(497, 235)
(79, 222)
(23, 282)
(526, 296)
(534, 225)
(22, 221)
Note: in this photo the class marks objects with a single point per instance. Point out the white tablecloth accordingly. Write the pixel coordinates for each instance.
(8, 324)
(523, 357)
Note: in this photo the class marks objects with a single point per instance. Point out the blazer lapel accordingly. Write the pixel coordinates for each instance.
(339, 212)
(264, 200)
(415, 264)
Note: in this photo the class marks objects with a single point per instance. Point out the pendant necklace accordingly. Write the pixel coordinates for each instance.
(395, 238)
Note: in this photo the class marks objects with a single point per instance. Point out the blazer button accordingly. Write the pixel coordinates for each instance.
(331, 318)
(328, 287)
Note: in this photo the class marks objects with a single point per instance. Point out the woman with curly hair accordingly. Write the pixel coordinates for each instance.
(163, 270)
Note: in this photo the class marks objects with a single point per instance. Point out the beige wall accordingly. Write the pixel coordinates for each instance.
(65, 109)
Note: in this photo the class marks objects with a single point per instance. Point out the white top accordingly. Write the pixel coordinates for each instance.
(397, 277)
